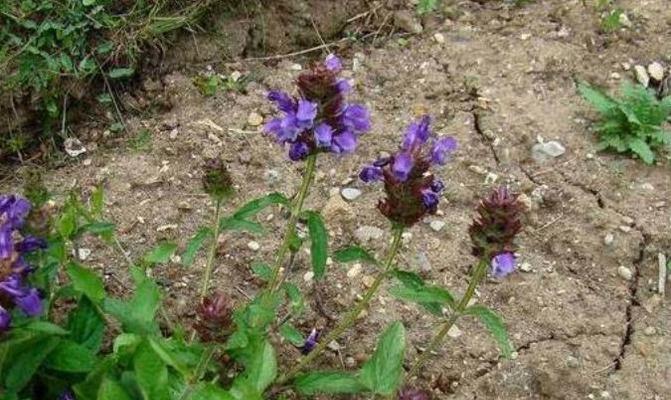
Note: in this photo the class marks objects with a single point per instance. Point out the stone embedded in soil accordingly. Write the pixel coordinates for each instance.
(368, 281)
(83, 253)
(608, 239)
(656, 71)
(454, 332)
(421, 262)
(254, 119)
(541, 152)
(354, 271)
(254, 246)
(642, 75)
(625, 273)
(437, 225)
(625, 21)
(337, 209)
(350, 194)
(366, 233)
(650, 331)
(308, 276)
(439, 38)
(74, 147)
(405, 20)
(526, 267)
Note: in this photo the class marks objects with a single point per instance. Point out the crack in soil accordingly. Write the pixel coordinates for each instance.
(633, 292)
(477, 124)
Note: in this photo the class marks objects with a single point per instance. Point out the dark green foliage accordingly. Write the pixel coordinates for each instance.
(631, 123)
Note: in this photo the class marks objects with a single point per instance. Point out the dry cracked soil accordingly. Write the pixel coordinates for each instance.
(584, 313)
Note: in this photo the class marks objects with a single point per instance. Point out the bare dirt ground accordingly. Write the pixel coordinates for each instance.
(501, 78)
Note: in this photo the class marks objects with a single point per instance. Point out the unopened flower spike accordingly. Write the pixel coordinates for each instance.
(217, 180)
(494, 229)
(214, 318)
(319, 119)
(412, 190)
(311, 341)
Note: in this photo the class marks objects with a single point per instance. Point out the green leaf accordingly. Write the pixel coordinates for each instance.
(90, 387)
(255, 206)
(318, 243)
(263, 271)
(426, 6)
(328, 382)
(260, 364)
(236, 224)
(88, 2)
(46, 327)
(175, 355)
(161, 253)
(69, 356)
(297, 302)
(495, 326)
(354, 253)
(151, 373)
(382, 373)
(599, 100)
(209, 391)
(66, 223)
(137, 315)
(26, 357)
(99, 228)
(86, 325)
(641, 148)
(87, 282)
(291, 334)
(119, 73)
(195, 244)
(97, 202)
(112, 390)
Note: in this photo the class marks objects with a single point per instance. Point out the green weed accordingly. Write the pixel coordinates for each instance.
(631, 123)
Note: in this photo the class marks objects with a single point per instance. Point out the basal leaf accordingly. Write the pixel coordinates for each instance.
(641, 148)
(291, 334)
(263, 271)
(383, 372)
(161, 253)
(495, 326)
(86, 325)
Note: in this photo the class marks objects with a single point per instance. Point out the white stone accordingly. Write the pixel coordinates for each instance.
(83, 253)
(625, 21)
(650, 331)
(254, 246)
(439, 38)
(624, 272)
(642, 75)
(454, 332)
(608, 239)
(354, 271)
(526, 267)
(544, 151)
(437, 225)
(308, 276)
(74, 147)
(656, 71)
(366, 233)
(350, 194)
(254, 119)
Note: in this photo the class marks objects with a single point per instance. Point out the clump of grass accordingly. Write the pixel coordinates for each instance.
(631, 123)
(53, 52)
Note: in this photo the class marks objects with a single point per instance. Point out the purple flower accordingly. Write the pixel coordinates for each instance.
(13, 211)
(503, 264)
(323, 135)
(67, 395)
(412, 190)
(298, 151)
(310, 342)
(5, 319)
(30, 302)
(333, 63)
(30, 243)
(370, 173)
(6, 242)
(497, 223)
(319, 117)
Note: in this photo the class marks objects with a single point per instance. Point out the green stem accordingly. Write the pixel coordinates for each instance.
(213, 251)
(478, 275)
(290, 232)
(352, 316)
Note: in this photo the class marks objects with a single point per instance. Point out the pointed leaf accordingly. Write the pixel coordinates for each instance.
(161, 253)
(599, 100)
(318, 243)
(209, 391)
(237, 224)
(255, 206)
(24, 364)
(69, 356)
(382, 373)
(354, 253)
(112, 390)
(87, 325)
(151, 373)
(291, 334)
(328, 383)
(495, 326)
(195, 244)
(641, 148)
(263, 271)
(86, 281)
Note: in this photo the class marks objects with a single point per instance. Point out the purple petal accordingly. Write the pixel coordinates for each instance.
(310, 342)
(437, 185)
(333, 63)
(14, 210)
(430, 199)
(343, 86)
(442, 149)
(283, 100)
(344, 143)
(12, 286)
(6, 243)
(298, 151)
(30, 303)
(417, 133)
(503, 264)
(288, 129)
(323, 135)
(21, 267)
(5, 319)
(306, 113)
(356, 117)
(30, 243)
(402, 166)
(370, 174)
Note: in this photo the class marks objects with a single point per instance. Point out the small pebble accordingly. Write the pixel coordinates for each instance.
(625, 228)
(308, 276)
(354, 271)
(350, 194)
(439, 38)
(437, 225)
(642, 75)
(526, 267)
(454, 332)
(368, 281)
(608, 239)
(656, 71)
(625, 273)
(366, 233)
(254, 119)
(83, 253)
(254, 246)
(650, 331)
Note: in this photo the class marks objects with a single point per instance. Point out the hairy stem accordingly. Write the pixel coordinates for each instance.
(352, 316)
(478, 275)
(213, 251)
(290, 232)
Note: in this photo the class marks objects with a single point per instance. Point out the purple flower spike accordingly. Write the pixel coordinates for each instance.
(344, 143)
(442, 149)
(402, 166)
(417, 133)
(333, 63)
(30, 303)
(323, 135)
(343, 86)
(310, 342)
(306, 113)
(13, 211)
(357, 118)
(5, 319)
(503, 264)
(298, 151)
(430, 199)
(370, 174)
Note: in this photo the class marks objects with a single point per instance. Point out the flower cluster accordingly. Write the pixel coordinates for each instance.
(412, 191)
(494, 229)
(217, 180)
(319, 119)
(14, 290)
(214, 318)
